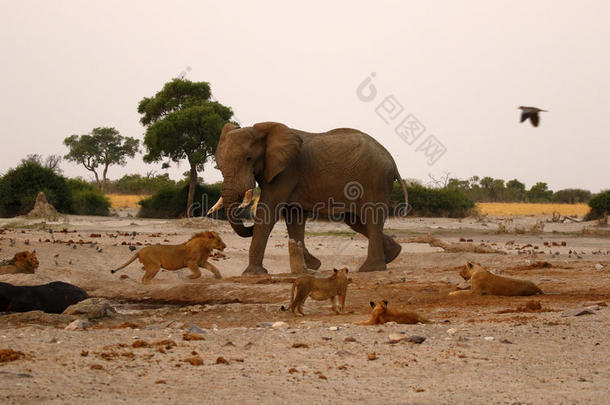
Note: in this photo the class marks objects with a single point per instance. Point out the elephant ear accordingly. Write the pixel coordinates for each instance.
(282, 146)
(228, 127)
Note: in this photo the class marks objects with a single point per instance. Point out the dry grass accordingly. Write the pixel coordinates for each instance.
(125, 200)
(515, 209)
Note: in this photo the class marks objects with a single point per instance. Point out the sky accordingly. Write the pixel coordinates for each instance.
(452, 72)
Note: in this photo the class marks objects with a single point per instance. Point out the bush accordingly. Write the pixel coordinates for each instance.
(170, 201)
(88, 199)
(137, 184)
(600, 206)
(571, 196)
(434, 202)
(20, 185)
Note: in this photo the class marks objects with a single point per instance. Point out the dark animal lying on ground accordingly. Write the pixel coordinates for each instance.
(53, 298)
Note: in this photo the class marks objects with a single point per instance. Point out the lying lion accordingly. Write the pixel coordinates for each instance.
(192, 254)
(381, 314)
(483, 282)
(22, 262)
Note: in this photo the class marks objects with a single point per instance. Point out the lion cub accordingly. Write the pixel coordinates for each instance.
(22, 262)
(482, 282)
(333, 288)
(381, 314)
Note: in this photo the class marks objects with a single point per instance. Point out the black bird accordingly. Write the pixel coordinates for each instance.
(530, 113)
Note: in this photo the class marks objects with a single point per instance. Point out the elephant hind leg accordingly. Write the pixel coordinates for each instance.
(375, 259)
(391, 249)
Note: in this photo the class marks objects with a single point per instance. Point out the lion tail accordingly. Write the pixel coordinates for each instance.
(126, 264)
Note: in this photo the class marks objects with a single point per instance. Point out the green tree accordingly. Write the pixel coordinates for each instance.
(101, 148)
(572, 196)
(183, 123)
(539, 193)
(515, 190)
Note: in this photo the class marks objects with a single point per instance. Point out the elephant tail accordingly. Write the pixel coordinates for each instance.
(403, 210)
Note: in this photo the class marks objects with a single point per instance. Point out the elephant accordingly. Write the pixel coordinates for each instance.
(343, 172)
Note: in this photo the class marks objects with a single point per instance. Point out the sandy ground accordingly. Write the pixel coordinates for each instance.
(477, 350)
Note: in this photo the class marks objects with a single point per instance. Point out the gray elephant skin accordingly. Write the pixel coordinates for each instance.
(343, 172)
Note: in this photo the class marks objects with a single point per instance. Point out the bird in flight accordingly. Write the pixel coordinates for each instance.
(530, 113)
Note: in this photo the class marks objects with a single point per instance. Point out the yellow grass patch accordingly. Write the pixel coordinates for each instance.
(515, 209)
(125, 200)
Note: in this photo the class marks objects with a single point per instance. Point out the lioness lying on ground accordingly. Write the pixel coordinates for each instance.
(192, 254)
(483, 282)
(333, 288)
(381, 314)
(22, 262)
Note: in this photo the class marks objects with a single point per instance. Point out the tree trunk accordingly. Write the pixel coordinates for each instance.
(97, 180)
(104, 178)
(192, 183)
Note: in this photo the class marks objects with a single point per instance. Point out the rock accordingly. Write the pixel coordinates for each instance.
(221, 360)
(489, 338)
(344, 353)
(417, 339)
(506, 341)
(599, 266)
(264, 324)
(577, 312)
(78, 324)
(372, 356)
(333, 328)
(451, 331)
(92, 308)
(395, 338)
(195, 329)
(350, 339)
(279, 325)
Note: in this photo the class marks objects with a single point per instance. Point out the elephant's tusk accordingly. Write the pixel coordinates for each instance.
(216, 206)
(247, 198)
(245, 202)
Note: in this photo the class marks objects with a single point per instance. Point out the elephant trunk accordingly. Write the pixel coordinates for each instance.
(231, 203)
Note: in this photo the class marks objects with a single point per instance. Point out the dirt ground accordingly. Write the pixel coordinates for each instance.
(213, 340)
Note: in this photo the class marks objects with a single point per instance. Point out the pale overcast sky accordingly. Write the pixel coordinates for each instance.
(460, 67)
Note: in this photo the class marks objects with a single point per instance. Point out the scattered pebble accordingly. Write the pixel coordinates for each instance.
(333, 328)
(489, 338)
(78, 324)
(279, 325)
(417, 339)
(577, 312)
(372, 356)
(451, 331)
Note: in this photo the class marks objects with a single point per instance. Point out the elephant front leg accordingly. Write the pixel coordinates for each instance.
(257, 248)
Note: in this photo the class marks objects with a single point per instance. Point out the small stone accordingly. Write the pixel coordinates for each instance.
(333, 328)
(395, 338)
(264, 324)
(350, 339)
(78, 324)
(489, 338)
(417, 339)
(506, 341)
(451, 331)
(344, 353)
(192, 336)
(599, 266)
(279, 325)
(372, 356)
(221, 360)
(300, 346)
(577, 312)
(327, 338)
(196, 329)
